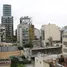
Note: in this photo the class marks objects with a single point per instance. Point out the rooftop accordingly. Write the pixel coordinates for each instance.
(52, 59)
(36, 48)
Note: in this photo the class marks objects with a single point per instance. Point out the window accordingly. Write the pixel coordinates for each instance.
(65, 50)
(65, 43)
(64, 36)
(23, 42)
(40, 62)
(23, 39)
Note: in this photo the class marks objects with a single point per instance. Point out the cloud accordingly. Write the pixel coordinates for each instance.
(41, 11)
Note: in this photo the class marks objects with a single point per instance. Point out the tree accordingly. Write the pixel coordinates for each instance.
(20, 48)
(23, 57)
(20, 65)
(14, 38)
(14, 61)
(28, 45)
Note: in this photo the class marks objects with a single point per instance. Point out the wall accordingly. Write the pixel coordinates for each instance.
(5, 55)
(53, 50)
(6, 66)
(37, 33)
(45, 64)
(39, 62)
(8, 48)
(51, 30)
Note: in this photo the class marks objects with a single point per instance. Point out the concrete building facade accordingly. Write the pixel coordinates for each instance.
(8, 51)
(2, 33)
(39, 62)
(46, 50)
(64, 42)
(45, 60)
(6, 10)
(7, 21)
(37, 33)
(25, 31)
(50, 31)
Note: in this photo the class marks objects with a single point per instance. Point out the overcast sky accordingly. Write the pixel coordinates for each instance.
(41, 11)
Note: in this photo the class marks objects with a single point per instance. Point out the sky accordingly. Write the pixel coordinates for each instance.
(41, 11)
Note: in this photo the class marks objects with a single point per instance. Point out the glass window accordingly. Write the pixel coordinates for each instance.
(64, 36)
(65, 50)
(65, 43)
(23, 42)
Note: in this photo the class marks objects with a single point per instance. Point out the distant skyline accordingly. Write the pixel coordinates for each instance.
(41, 11)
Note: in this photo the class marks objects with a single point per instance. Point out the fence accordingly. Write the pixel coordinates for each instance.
(8, 48)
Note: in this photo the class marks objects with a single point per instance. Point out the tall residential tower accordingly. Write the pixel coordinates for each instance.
(50, 33)
(25, 31)
(7, 21)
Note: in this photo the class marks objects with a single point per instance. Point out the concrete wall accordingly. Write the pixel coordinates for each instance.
(46, 64)
(64, 41)
(5, 55)
(51, 30)
(21, 35)
(56, 50)
(40, 63)
(5, 66)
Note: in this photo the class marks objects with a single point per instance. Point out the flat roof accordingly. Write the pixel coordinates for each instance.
(45, 47)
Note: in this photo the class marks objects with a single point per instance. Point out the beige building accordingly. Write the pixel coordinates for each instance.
(44, 60)
(39, 62)
(50, 30)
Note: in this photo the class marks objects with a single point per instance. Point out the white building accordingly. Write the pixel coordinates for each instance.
(64, 41)
(50, 30)
(23, 31)
(44, 60)
(37, 33)
(2, 33)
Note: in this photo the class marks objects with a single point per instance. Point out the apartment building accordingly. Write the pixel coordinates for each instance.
(44, 60)
(2, 33)
(50, 31)
(64, 41)
(25, 31)
(37, 33)
(7, 21)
